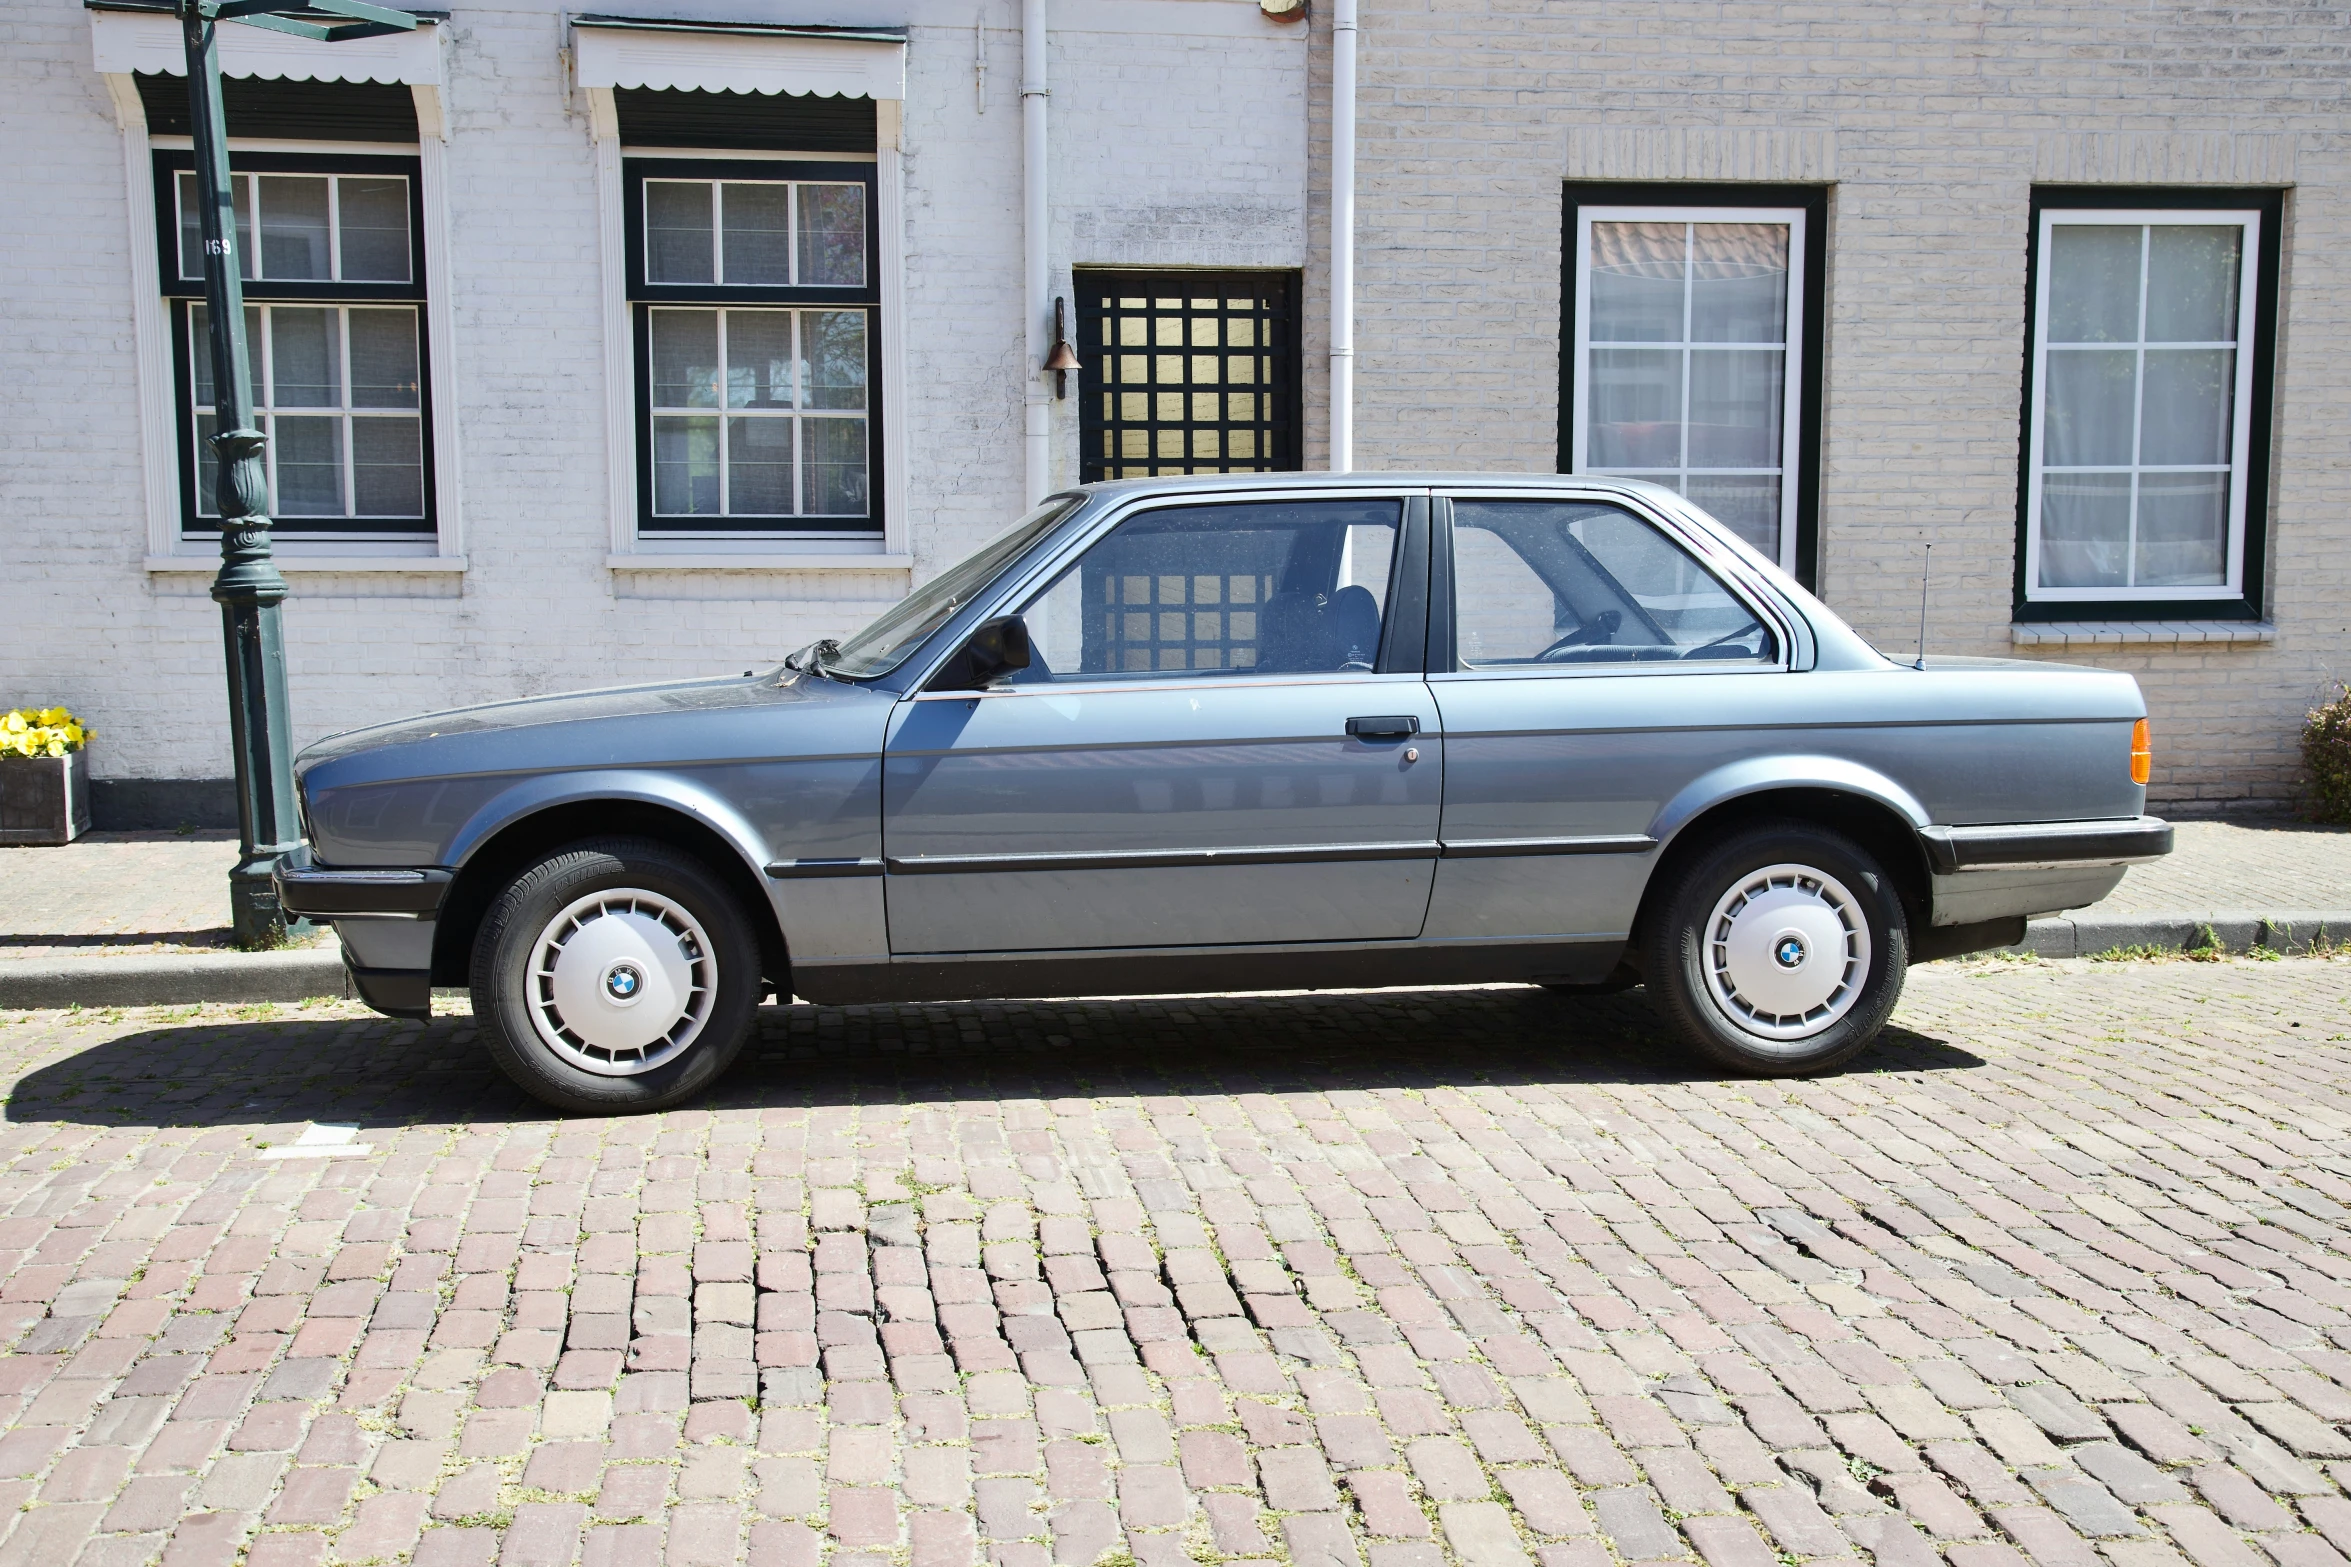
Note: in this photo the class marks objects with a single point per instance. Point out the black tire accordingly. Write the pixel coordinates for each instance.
(1761, 926)
(707, 978)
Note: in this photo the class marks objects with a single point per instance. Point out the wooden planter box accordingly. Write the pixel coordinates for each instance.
(44, 799)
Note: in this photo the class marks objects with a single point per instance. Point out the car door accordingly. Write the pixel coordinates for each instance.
(1587, 664)
(1223, 738)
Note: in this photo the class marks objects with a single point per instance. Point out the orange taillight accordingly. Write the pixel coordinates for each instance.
(2142, 753)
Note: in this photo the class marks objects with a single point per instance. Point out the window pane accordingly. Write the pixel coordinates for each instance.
(306, 356)
(677, 232)
(387, 467)
(759, 359)
(2192, 283)
(2087, 420)
(832, 236)
(192, 232)
(294, 230)
(1506, 613)
(685, 467)
(1747, 504)
(2183, 534)
(207, 467)
(1636, 408)
(383, 358)
(200, 347)
(834, 341)
(1637, 273)
(375, 229)
(1735, 408)
(1739, 283)
(2093, 283)
(759, 467)
(2085, 529)
(758, 237)
(309, 456)
(685, 358)
(2186, 405)
(1622, 591)
(1257, 587)
(833, 455)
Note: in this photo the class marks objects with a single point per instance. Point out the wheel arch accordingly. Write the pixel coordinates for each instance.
(1841, 797)
(518, 831)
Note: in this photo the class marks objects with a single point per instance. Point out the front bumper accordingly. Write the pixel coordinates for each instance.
(385, 919)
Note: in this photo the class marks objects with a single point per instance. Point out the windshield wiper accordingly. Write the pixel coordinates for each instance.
(816, 658)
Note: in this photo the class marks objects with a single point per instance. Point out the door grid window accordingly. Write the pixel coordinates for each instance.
(1187, 372)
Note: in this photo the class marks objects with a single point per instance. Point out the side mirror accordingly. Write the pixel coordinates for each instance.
(995, 649)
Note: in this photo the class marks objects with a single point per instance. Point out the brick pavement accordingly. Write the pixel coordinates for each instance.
(157, 892)
(1475, 1276)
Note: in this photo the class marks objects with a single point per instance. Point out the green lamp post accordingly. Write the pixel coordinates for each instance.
(250, 588)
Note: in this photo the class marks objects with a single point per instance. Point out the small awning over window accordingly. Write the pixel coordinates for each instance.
(139, 39)
(740, 57)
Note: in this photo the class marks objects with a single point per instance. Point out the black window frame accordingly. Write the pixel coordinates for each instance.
(642, 296)
(1812, 367)
(2270, 201)
(1284, 431)
(181, 294)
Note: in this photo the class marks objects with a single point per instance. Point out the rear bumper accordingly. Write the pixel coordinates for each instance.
(2017, 846)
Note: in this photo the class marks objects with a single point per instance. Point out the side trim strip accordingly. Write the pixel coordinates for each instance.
(1496, 848)
(797, 870)
(1155, 859)
(2024, 844)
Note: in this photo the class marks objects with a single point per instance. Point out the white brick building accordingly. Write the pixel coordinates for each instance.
(508, 509)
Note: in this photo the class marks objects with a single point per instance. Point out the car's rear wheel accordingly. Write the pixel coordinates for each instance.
(615, 975)
(1778, 950)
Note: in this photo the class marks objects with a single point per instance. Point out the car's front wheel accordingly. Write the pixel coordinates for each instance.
(615, 975)
(1778, 950)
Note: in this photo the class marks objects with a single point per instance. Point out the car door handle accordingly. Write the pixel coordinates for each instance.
(1388, 726)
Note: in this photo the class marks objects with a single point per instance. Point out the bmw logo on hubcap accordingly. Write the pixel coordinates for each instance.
(1789, 950)
(623, 982)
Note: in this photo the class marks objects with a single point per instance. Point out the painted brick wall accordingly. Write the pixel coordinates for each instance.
(1179, 138)
(1931, 123)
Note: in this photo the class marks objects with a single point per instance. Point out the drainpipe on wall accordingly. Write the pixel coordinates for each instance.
(1343, 236)
(1034, 277)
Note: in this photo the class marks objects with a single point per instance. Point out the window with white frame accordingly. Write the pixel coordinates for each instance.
(755, 302)
(2142, 460)
(332, 265)
(1688, 357)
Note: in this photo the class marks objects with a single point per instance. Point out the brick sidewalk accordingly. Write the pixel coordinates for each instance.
(1471, 1276)
(162, 892)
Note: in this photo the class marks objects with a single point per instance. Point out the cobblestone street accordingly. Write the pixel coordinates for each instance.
(1477, 1276)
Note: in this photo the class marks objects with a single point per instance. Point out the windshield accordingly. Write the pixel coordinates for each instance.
(890, 640)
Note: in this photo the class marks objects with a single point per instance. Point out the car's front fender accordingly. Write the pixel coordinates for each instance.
(681, 793)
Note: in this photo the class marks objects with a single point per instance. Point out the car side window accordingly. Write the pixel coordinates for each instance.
(1272, 587)
(1541, 583)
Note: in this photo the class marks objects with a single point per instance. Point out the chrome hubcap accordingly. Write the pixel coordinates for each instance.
(1787, 951)
(621, 981)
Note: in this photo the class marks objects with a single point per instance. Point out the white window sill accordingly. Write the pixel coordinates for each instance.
(337, 565)
(763, 560)
(2140, 633)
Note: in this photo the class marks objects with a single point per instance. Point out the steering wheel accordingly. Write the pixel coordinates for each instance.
(1600, 629)
(1741, 634)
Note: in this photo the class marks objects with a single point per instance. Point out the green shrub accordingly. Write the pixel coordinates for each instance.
(2326, 753)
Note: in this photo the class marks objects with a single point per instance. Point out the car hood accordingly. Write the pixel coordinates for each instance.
(667, 723)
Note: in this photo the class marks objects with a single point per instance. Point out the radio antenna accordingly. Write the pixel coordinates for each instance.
(1926, 575)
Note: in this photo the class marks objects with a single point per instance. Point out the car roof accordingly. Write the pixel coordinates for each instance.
(1177, 484)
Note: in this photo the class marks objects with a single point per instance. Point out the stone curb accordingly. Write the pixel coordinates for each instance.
(2294, 931)
(173, 979)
